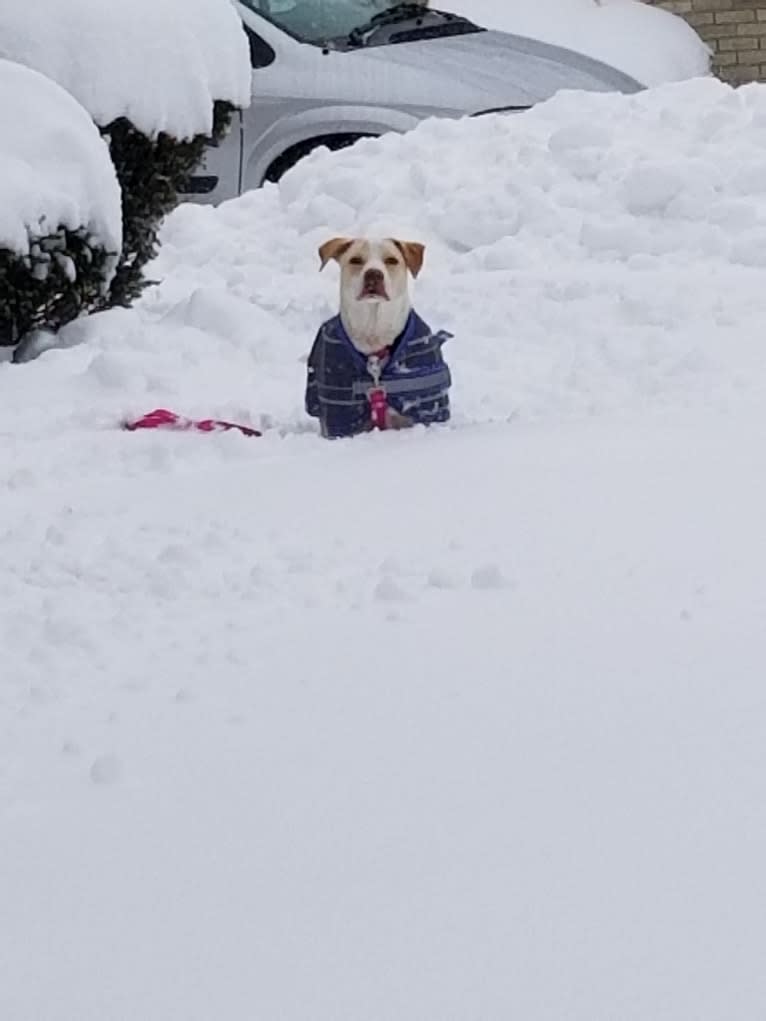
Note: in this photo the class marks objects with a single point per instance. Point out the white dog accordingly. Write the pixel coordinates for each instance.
(376, 365)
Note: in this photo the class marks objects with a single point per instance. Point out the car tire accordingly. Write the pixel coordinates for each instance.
(296, 153)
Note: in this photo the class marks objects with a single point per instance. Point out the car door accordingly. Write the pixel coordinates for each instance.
(217, 177)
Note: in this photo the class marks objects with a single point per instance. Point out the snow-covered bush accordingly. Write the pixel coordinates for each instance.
(159, 79)
(153, 172)
(60, 224)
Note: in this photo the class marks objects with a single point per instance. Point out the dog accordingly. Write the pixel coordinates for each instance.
(377, 364)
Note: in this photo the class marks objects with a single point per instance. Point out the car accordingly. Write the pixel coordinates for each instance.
(670, 49)
(329, 72)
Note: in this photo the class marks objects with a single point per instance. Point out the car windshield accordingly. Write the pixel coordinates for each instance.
(325, 22)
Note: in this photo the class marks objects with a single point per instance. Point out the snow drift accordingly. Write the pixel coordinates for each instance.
(599, 253)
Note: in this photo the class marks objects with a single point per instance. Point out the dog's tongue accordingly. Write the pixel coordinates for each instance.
(374, 291)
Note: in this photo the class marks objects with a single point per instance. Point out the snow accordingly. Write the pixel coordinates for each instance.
(455, 723)
(55, 169)
(648, 43)
(161, 65)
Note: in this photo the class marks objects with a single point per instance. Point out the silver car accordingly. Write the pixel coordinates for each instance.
(328, 72)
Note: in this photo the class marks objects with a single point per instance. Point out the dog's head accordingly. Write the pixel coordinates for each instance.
(373, 271)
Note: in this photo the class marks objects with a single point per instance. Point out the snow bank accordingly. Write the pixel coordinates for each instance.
(456, 723)
(610, 255)
(650, 44)
(600, 252)
(160, 64)
(55, 168)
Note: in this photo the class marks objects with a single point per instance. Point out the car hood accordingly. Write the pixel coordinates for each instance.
(485, 70)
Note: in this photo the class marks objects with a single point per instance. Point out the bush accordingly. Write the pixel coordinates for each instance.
(65, 274)
(60, 211)
(153, 174)
(142, 75)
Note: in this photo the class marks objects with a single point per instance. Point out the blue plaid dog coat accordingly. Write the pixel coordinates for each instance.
(416, 379)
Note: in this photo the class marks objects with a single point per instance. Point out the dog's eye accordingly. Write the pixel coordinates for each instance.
(391, 261)
(356, 260)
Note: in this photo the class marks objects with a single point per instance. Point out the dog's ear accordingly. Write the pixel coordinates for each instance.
(413, 253)
(333, 249)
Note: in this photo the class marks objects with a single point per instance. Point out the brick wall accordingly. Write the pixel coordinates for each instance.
(736, 31)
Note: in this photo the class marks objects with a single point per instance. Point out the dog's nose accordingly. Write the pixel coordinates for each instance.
(373, 276)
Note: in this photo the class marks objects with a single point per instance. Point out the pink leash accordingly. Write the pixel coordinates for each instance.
(376, 395)
(161, 418)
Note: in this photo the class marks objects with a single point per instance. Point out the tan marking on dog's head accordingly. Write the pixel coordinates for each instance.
(379, 267)
(333, 249)
(413, 253)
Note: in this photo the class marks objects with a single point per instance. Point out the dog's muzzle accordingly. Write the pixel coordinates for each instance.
(374, 285)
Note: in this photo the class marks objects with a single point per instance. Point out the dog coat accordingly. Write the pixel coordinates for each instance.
(416, 379)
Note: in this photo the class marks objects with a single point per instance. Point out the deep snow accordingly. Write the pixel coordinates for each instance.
(161, 64)
(460, 723)
(55, 169)
(648, 43)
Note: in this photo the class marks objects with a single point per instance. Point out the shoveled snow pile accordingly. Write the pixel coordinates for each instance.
(55, 169)
(645, 42)
(454, 723)
(600, 253)
(161, 64)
